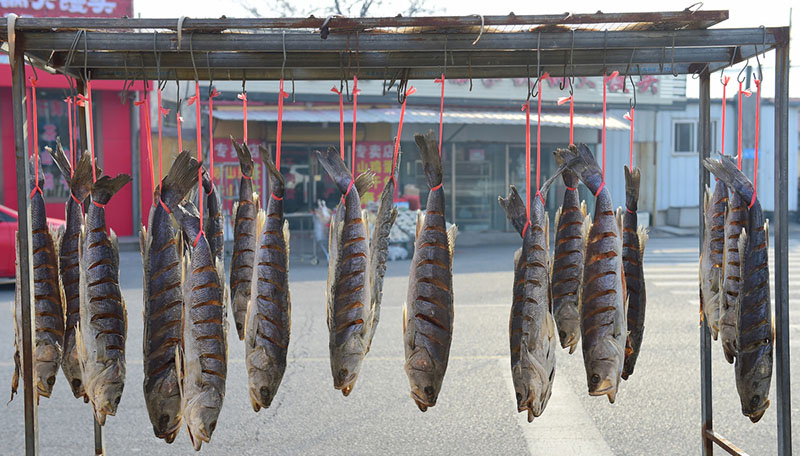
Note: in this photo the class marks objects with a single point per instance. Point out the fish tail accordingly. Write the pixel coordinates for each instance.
(581, 160)
(180, 179)
(81, 183)
(570, 178)
(336, 169)
(546, 184)
(245, 158)
(632, 179)
(106, 187)
(431, 160)
(60, 159)
(515, 209)
(276, 178)
(725, 170)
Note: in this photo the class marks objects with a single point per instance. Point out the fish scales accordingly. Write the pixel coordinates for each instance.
(711, 259)
(268, 322)
(428, 312)
(80, 183)
(103, 325)
(735, 220)
(603, 315)
(634, 238)
(203, 362)
(568, 263)
(244, 239)
(348, 291)
(754, 324)
(47, 301)
(532, 338)
(163, 301)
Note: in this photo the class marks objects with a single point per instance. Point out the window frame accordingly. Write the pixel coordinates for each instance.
(693, 141)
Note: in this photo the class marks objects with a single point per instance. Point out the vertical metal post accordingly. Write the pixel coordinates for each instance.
(705, 336)
(25, 258)
(453, 181)
(85, 131)
(137, 183)
(781, 343)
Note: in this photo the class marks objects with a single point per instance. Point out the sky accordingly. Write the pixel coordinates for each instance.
(742, 14)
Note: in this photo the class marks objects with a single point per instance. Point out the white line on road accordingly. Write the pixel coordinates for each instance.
(564, 427)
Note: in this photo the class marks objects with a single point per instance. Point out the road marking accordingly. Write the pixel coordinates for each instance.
(564, 427)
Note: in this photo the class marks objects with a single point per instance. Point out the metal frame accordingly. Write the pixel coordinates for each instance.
(412, 48)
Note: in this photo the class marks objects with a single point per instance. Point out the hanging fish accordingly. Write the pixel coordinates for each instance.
(634, 238)
(103, 326)
(735, 220)
(245, 237)
(714, 207)
(531, 327)
(213, 225)
(46, 298)
(80, 184)
(203, 359)
(754, 324)
(163, 300)
(572, 223)
(268, 321)
(348, 318)
(603, 314)
(428, 311)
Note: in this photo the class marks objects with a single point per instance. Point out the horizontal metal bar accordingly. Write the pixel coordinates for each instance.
(724, 443)
(328, 74)
(691, 18)
(387, 42)
(224, 60)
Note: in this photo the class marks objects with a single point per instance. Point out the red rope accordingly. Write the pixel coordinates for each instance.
(755, 164)
(86, 102)
(180, 137)
(192, 100)
(724, 98)
(211, 96)
(629, 116)
(145, 107)
(281, 96)
(355, 110)
(161, 112)
(69, 101)
(441, 112)
(35, 135)
(561, 101)
(341, 121)
(527, 108)
(539, 137)
(411, 90)
(243, 96)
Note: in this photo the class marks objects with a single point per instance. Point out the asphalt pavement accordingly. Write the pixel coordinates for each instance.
(657, 411)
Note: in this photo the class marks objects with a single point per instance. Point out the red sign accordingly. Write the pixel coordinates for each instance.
(227, 172)
(67, 8)
(377, 156)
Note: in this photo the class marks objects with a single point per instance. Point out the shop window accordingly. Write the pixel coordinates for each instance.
(683, 137)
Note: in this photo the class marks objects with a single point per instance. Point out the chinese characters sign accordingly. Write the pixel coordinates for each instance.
(67, 8)
(377, 156)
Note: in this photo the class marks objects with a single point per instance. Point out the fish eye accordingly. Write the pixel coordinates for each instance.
(766, 341)
(116, 401)
(595, 379)
(51, 380)
(429, 391)
(342, 374)
(562, 334)
(212, 426)
(76, 383)
(519, 397)
(754, 401)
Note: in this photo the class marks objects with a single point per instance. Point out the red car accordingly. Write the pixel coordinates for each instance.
(8, 253)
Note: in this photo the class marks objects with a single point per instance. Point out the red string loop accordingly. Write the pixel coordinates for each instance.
(355, 110)
(411, 90)
(275, 197)
(193, 100)
(724, 98)
(599, 189)
(441, 111)
(211, 96)
(572, 189)
(197, 238)
(179, 119)
(243, 96)
(161, 112)
(164, 206)
(101, 206)
(281, 96)
(433, 189)
(525, 228)
(739, 139)
(86, 102)
(341, 121)
(72, 195)
(755, 163)
(539, 136)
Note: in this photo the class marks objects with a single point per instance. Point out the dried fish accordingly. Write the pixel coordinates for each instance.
(103, 326)
(603, 313)
(46, 298)
(428, 311)
(268, 322)
(348, 317)
(755, 331)
(711, 258)
(735, 220)
(634, 238)
(80, 184)
(163, 300)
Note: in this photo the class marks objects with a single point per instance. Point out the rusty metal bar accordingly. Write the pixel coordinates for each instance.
(706, 409)
(689, 18)
(723, 443)
(25, 258)
(781, 343)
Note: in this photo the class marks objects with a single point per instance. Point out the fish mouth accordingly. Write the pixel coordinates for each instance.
(603, 389)
(346, 386)
(756, 415)
(571, 343)
(422, 403)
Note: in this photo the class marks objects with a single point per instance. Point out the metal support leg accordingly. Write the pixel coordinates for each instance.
(25, 259)
(781, 343)
(705, 335)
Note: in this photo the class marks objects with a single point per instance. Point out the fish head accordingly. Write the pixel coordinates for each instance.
(107, 388)
(346, 364)
(754, 385)
(603, 370)
(201, 413)
(47, 363)
(423, 378)
(263, 384)
(164, 407)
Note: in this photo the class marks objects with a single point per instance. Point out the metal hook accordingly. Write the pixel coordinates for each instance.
(469, 69)
(633, 89)
(402, 85)
(480, 34)
(244, 81)
(627, 70)
(35, 73)
(161, 84)
(672, 64)
(292, 87)
(563, 82)
(538, 63)
(739, 77)
(210, 76)
(528, 73)
(571, 63)
(733, 58)
(763, 50)
(283, 65)
(180, 31)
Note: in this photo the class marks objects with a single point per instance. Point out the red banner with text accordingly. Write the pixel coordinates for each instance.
(67, 8)
(377, 156)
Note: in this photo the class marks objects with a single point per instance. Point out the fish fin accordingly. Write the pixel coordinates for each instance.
(234, 208)
(106, 187)
(452, 233)
(364, 182)
(584, 211)
(707, 199)
(726, 170)
(420, 223)
(336, 169)
(246, 163)
(643, 235)
(378, 256)
(618, 216)
(181, 178)
(81, 183)
(405, 316)
(766, 232)
(431, 160)
(180, 372)
(547, 234)
(112, 237)
(334, 240)
(558, 217)
(632, 180)
(515, 209)
(585, 229)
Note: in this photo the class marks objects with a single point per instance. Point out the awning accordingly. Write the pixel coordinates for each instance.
(415, 115)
